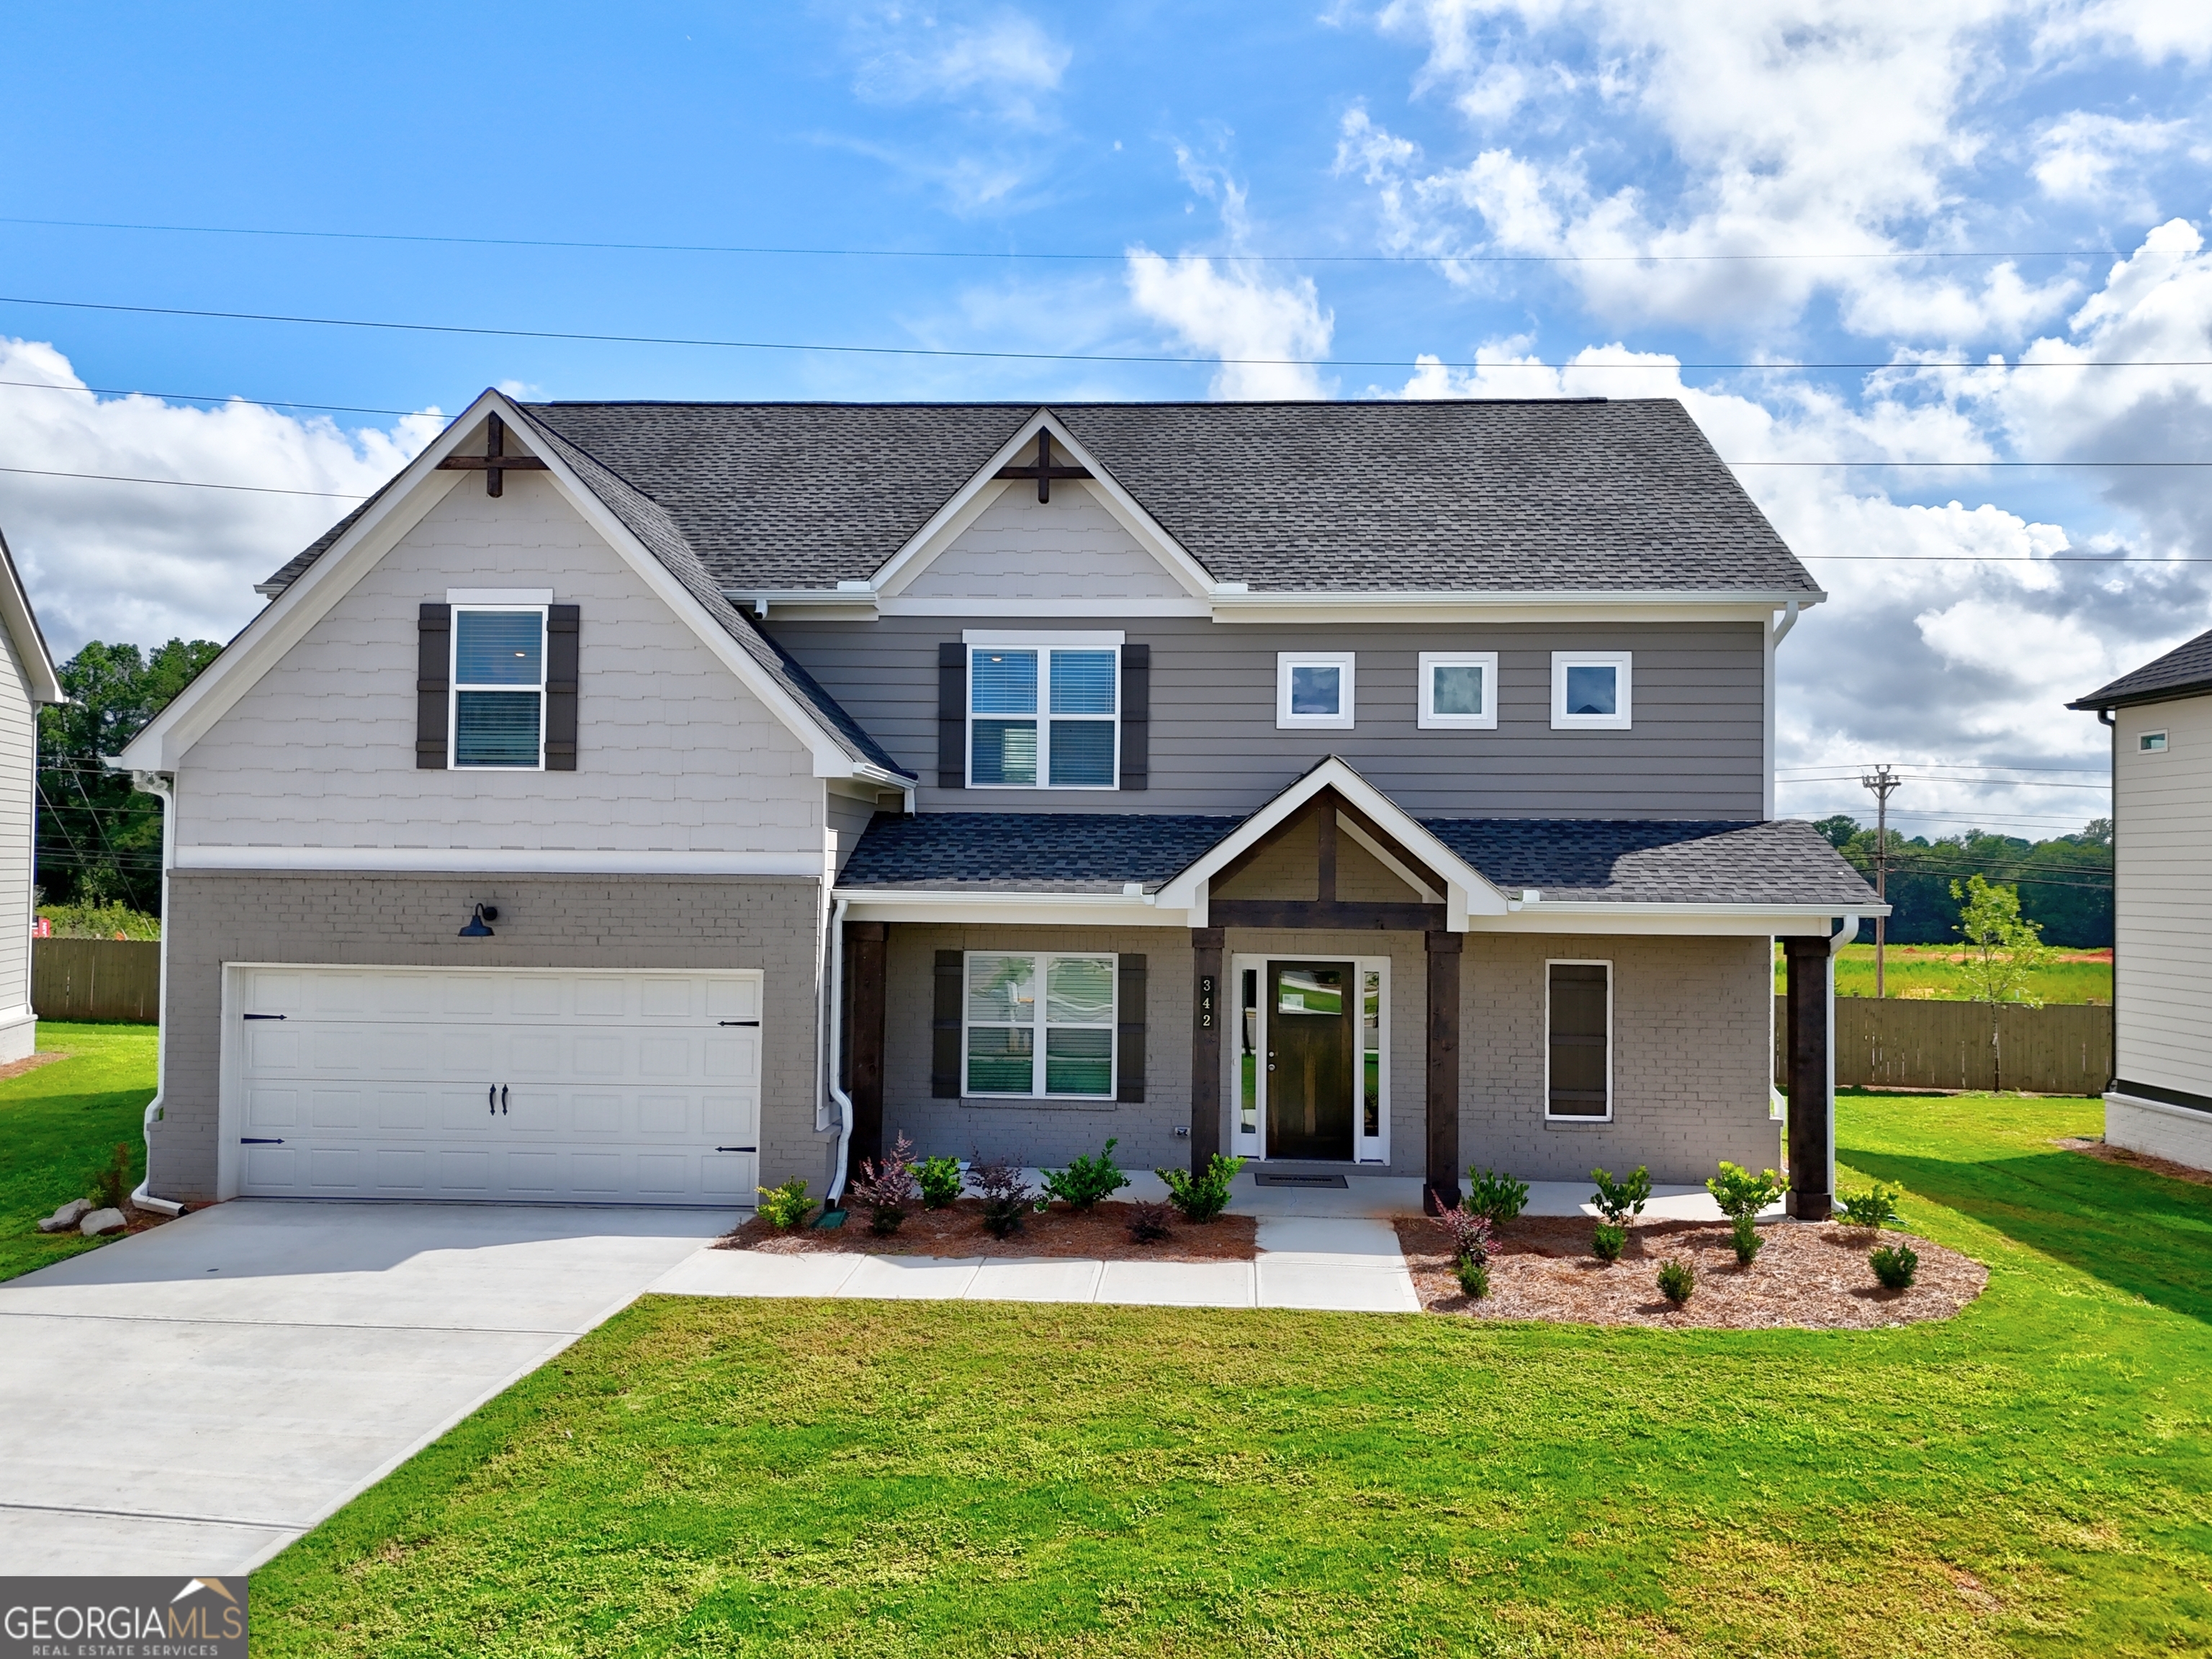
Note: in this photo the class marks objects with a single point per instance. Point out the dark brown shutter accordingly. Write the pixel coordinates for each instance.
(952, 716)
(1136, 720)
(944, 1030)
(563, 623)
(1129, 1057)
(434, 664)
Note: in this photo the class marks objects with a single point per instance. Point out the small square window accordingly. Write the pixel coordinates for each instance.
(2151, 743)
(1459, 690)
(1314, 689)
(1590, 690)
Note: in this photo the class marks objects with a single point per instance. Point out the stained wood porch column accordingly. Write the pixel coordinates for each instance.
(1440, 1187)
(1812, 1115)
(867, 948)
(1205, 1005)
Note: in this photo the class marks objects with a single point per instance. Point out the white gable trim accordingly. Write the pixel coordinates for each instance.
(985, 487)
(420, 486)
(1467, 892)
(40, 682)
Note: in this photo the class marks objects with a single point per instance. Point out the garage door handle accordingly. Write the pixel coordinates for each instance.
(264, 1017)
(254, 1140)
(502, 1100)
(726, 1022)
(736, 1149)
(491, 1098)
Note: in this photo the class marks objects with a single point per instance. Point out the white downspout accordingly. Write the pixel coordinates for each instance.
(157, 784)
(842, 1100)
(1843, 936)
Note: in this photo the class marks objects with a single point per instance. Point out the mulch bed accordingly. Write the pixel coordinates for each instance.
(957, 1230)
(31, 1063)
(1808, 1276)
(2159, 1166)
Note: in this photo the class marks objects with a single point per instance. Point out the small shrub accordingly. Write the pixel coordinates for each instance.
(940, 1179)
(1202, 1197)
(1876, 1208)
(1612, 1238)
(785, 1207)
(1617, 1200)
(1743, 1233)
(1473, 1278)
(1894, 1265)
(110, 1182)
(1495, 1194)
(889, 1189)
(1147, 1221)
(1472, 1236)
(1678, 1279)
(1006, 1192)
(1740, 1192)
(1086, 1180)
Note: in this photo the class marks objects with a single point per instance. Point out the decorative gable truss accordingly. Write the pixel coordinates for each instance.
(481, 443)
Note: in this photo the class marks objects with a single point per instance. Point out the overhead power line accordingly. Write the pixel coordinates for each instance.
(1093, 256)
(708, 343)
(181, 483)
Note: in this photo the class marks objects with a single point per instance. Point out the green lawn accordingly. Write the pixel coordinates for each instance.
(804, 1478)
(1915, 971)
(59, 1123)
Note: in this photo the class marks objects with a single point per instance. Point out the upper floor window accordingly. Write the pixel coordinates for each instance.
(1459, 690)
(2151, 743)
(1314, 689)
(498, 686)
(1590, 690)
(1044, 716)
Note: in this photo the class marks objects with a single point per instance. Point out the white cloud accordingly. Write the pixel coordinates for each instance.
(144, 562)
(2078, 154)
(1004, 64)
(1236, 310)
(2154, 30)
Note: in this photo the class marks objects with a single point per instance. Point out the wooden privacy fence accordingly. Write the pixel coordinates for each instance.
(2063, 1049)
(96, 979)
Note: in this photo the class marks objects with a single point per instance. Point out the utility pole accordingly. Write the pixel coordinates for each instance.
(1881, 780)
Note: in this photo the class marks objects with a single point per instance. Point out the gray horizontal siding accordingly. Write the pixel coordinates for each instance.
(1697, 750)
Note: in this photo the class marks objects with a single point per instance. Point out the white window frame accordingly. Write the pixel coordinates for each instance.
(1347, 688)
(1623, 662)
(1113, 1026)
(1550, 1116)
(454, 688)
(1044, 645)
(1433, 721)
(1365, 1150)
(2153, 743)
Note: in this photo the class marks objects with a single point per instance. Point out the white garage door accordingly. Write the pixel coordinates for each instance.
(498, 1084)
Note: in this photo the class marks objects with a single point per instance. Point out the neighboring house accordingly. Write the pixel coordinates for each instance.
(27, 681)
(640, 802)
(2159, 1100)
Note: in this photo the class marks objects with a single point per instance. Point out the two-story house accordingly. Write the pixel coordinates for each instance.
(640, 802)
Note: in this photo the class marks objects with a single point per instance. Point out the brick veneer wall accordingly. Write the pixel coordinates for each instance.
(769, 923)
(1693, 1019)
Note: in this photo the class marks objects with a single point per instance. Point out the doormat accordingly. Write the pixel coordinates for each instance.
(1263, 1179)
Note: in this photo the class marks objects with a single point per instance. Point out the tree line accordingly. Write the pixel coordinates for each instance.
(2065, 884)
(100, 840)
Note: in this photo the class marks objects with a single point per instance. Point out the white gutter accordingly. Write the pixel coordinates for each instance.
(842, 1100)
(1843, 935)
(163, 786)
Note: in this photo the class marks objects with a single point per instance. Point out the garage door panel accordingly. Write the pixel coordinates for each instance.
(596, 1087)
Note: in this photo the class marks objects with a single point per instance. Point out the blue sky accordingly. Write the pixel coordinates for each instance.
(1288, 185)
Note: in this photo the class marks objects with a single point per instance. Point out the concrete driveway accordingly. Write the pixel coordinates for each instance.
(191, 1399)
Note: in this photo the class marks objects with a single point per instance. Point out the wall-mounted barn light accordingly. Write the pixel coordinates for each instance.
(476, 929)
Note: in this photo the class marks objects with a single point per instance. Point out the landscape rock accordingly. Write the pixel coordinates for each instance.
(102, 1221)
(67, 1217)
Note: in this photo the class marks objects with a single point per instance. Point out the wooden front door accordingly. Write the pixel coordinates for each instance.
(1312, 1035)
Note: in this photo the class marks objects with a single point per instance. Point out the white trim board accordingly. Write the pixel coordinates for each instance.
(517, 861)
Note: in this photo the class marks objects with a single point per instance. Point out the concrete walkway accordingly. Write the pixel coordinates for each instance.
(1347, 1263)
(191, 1399)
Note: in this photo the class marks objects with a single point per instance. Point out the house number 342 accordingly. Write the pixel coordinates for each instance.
(1206, 1002)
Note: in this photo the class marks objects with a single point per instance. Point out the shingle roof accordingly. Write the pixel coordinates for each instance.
(1587, 860)
(2184, 669)
(1572, 494)
(1028, 852)
(1613, 861)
